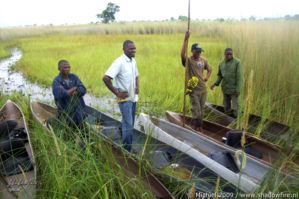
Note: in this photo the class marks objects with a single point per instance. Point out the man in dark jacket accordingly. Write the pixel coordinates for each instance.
(230, 73)
(68, 91)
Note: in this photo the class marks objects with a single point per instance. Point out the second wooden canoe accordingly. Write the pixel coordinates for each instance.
(271, 131)
(270, 152)
(201, 146)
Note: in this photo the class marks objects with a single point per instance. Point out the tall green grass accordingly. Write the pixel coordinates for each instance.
(114, 28)
(65, 170)
(90, 56)
(78, 173)
(269, 48)
(4, 49)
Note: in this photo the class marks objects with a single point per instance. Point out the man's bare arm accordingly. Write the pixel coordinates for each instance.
(107, 81)
(208, 73)
(183, 51)
(71, 91)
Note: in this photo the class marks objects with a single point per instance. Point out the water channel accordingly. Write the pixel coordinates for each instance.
(11, 80)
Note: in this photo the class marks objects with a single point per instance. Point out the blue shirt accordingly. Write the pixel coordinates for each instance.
(70, 106)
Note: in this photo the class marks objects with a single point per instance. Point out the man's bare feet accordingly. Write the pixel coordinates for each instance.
(201, 129)
(135, 151)
(198, 128)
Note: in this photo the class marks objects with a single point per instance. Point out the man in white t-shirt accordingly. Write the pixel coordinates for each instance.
(124, 74)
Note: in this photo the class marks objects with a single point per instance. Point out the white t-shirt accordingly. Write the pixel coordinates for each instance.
(124, 71)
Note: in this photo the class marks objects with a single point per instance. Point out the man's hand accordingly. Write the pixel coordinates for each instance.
(237, 94)
(212, 87)
(61, 86)
(71, 91)
(187, 35)
(206, 79)
(136, 90)
(122, 95)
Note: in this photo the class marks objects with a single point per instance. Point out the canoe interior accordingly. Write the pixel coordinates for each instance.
(271, 131)
(160, 155)
(256, 168)
(129, 166)
(217, 116)
(203, 177)
(216, 132)
(42, 112)
(132, 169)
(16, 184)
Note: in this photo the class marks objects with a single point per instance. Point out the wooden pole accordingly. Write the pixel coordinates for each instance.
(186, 66)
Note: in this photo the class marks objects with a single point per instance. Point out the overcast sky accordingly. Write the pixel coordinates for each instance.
(29, 12)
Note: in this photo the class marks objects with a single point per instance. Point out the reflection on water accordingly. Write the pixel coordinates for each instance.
(11, 80)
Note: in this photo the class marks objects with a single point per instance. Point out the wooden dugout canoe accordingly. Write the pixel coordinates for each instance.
(154, 128)
(41, 112)
(150, 148)
(158, 154)
(19, 183)
(270, 152)
(272, 130)
(200, 146)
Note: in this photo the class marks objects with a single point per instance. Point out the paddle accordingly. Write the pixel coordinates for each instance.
(186, 66)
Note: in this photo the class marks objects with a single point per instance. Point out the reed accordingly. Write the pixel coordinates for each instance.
(267, 47)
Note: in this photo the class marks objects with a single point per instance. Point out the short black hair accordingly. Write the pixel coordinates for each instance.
(61, 62)
(127, 42)
(228, 50)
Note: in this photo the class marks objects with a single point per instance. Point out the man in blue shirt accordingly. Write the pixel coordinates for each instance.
(68, 91)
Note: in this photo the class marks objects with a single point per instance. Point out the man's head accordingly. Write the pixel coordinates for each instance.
(228, 53)
(196, 50)
(129, 48)
(64, 67)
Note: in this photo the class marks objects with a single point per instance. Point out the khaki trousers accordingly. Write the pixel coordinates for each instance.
(198, 100)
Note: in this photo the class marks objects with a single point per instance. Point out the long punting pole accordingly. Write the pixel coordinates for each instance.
(186, 66)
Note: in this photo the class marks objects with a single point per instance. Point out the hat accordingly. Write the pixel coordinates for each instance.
(197, 47)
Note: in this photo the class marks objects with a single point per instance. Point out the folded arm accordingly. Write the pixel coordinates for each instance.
(58, 91)
(80, 88)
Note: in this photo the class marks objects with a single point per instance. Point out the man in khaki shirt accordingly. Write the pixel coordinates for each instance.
(196, 66)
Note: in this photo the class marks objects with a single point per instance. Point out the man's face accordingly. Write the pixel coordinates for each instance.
(195, 53)
(228, 55)
(65, 68)
(130, 50)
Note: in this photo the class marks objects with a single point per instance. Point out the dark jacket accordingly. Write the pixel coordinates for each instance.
(71, 108)
(230, 73)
